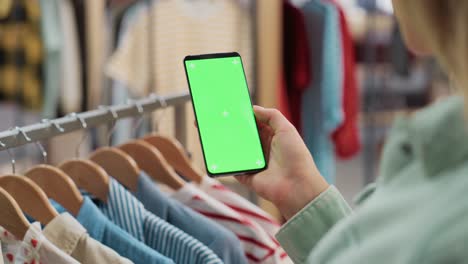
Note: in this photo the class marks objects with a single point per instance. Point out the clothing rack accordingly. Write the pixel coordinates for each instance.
(104, 115)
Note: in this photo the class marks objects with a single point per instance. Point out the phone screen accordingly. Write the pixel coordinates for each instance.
(225, 118)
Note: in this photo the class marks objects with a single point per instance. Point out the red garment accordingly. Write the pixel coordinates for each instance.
(346, 137)
(296, 60)
(283, 99)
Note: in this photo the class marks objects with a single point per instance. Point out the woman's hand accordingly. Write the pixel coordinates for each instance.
(292, 179)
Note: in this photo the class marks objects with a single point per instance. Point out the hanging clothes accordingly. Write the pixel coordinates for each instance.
(222, 241)
(123, 209)
(322, 109)
(400, 57)
(71, 85)
(242, 206)
(21, 55)
(346, 137)
(5, 8)
(104, 231)
(53, 46)
(71, 237)
(296, 60)
(282, 98)
(120, 94)
(96, 50)
(239, 204)
(180, 28)
(79, 9)
(34, 248)
(258, 245)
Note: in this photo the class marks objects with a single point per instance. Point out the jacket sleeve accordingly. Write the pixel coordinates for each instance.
(302, 232)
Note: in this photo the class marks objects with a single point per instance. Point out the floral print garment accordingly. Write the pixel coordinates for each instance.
(33, 249)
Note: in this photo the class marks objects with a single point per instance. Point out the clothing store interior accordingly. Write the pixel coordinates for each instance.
(100, 157)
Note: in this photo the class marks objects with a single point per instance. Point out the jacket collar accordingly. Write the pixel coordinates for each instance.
(436, 136)
(440, 136)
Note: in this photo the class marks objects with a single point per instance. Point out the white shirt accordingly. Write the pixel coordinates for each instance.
(1, 254)
(71, 237)
(34, 248)
(70, 75)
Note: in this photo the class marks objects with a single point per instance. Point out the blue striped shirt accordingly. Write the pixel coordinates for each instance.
(222, 241)
(107, 233)
(127, 212)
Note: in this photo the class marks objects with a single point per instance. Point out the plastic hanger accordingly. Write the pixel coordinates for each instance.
(11, 216)
(30, 197)
(116, 162)
(150, 160)
(175, 155)
(87, 174)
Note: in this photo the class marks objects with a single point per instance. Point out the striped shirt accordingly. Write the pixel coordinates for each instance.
(244, 207)
(127, 212)
(258, 245)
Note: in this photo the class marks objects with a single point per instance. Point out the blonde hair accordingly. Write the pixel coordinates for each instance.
(443, 26)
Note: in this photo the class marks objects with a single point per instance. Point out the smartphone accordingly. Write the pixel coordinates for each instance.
(223, 110)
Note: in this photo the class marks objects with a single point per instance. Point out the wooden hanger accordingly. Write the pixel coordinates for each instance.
(30, 197)
(150, 160)
(88, 176)
(11, 216)
(58, 186)
(175, 155)
(119, 165)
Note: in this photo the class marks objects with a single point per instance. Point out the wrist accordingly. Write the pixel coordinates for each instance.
(301, 195)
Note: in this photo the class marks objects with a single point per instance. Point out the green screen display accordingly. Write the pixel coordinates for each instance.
(224, 114)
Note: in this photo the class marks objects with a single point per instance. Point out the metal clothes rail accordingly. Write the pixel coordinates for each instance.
(107, 114)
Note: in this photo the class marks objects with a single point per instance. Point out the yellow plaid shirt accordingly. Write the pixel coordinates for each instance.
(21, 54)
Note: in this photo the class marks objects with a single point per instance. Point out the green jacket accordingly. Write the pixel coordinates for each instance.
(416, 212)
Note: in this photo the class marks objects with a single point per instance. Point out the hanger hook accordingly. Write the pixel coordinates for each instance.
(12, 157)
(141, 111)
(163, 103)
(21, 131)
(138, 106)
(84, 126)
(38, 144)
(43, 151)
(54, 124)
(115, 117)
(159, 99)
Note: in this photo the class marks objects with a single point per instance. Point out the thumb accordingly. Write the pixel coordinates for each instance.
(271, 117)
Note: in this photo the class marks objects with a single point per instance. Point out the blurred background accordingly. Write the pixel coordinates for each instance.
(338, 69)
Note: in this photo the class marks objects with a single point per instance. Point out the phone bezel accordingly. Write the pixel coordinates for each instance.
(215, 56)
